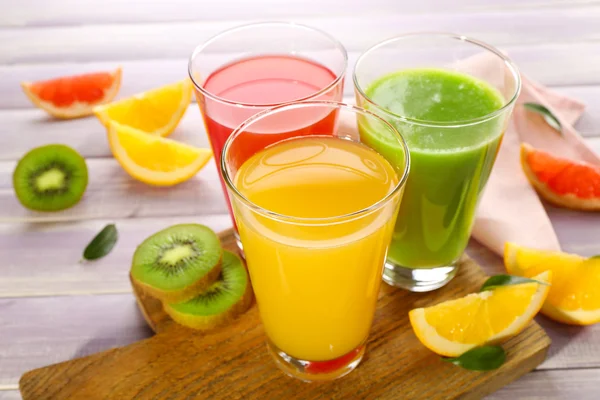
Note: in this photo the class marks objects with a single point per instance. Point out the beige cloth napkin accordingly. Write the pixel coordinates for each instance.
(510, 209)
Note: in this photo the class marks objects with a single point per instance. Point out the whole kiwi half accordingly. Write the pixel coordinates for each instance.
(177, 263)
(50, 178)
(229, 296)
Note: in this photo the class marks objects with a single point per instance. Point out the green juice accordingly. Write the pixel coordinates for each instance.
(450, 164)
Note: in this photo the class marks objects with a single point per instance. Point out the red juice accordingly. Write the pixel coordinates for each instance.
(248, 86)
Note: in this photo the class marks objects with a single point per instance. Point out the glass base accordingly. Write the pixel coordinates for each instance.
(310, 371)
(239, 244)
(418, 279)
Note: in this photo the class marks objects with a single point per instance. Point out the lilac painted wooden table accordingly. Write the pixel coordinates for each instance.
(53, 308)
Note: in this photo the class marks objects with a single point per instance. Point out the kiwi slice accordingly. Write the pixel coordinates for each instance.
(50, 178)
(228, 297)
(177, 263)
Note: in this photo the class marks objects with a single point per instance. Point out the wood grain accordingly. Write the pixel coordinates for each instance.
(10, 395)
(88, 136)
(43, 330)
(20, 132)
(122, 41)
(62, 272)
(580, 384)
(232, 362)
(112, 193)
(37, 13)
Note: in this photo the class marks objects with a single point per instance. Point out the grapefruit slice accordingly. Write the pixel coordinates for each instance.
(560, 181)
(74, 96)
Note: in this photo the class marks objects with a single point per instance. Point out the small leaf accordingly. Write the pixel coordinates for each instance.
(595, 257)
(504, 280)
(484, 358)
(546, 114)
(102, 244)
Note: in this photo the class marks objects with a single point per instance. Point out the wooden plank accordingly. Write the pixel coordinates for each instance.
(24, 129)
(111, 193)
(556, 64)
(130, 41)
(580, 384)
(123, 41)
(52, 254)
(245, 368)
(73, 12)
(39, 331)
(10, 395)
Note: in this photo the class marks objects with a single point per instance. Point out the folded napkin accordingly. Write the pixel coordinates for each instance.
(510, 209)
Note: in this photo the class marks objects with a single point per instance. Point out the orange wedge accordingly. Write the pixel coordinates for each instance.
(156, 111)
(561, 181)
(456, 326)
(153, 159)
(574, 297)
(74, 96)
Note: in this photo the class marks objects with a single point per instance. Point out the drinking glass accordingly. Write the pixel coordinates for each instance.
(451, 98)
(315, 268)
(250, 68)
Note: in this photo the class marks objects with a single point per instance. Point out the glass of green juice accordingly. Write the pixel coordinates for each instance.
(451, 98)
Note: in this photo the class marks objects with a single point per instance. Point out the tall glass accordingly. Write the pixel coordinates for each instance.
(250, 68)
(451, 98)
(315, 215)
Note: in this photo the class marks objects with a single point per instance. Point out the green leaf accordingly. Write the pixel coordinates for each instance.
(102, 244)
(594, 257)
(484, 358)
(505, 280)
(546, 114)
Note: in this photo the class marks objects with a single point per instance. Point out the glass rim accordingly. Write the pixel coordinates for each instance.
(338, 45)
(321, 220)
(447, 124)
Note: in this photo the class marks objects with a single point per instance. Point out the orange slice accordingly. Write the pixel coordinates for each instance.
(73, 96)
(153, 159)
(574, 297)
(156, 111)
(561, 181)
(456, 326)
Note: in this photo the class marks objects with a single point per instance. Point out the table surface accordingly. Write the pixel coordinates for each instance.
(54, 308)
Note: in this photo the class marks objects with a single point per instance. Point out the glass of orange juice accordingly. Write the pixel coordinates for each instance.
(315, 213)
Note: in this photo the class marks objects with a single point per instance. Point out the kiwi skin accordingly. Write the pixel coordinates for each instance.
(179, 294)
(216, 320)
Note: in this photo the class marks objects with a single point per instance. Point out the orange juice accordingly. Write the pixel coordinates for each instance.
(315, 269)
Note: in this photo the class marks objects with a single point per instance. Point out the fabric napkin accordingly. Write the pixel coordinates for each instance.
(510, 209)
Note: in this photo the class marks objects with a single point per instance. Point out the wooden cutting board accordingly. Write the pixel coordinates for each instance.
(232, 362)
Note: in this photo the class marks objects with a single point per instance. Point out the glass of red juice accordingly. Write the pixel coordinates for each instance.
(250, 68)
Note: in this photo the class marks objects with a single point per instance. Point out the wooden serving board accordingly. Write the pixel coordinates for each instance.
(232, 362)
